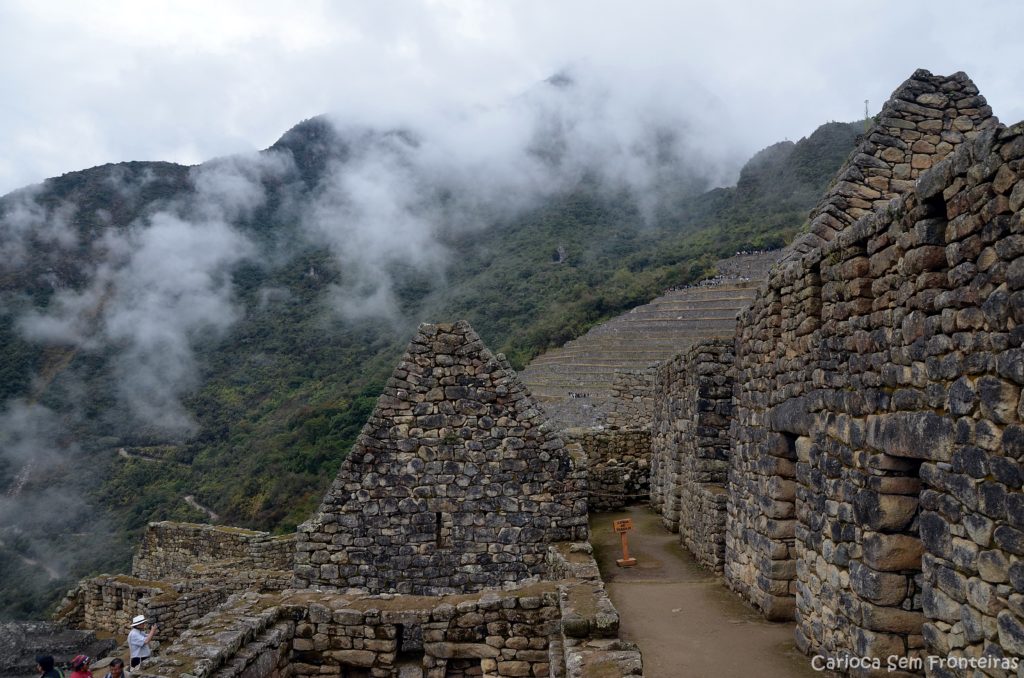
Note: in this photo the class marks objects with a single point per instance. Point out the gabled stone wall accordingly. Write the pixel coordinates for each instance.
(876, 479)
(455, 483)
(781, 361)
(924, 120)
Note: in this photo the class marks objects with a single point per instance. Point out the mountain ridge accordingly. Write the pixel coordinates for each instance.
(279, 394)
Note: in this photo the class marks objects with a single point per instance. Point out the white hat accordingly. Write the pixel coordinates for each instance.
(138, 619)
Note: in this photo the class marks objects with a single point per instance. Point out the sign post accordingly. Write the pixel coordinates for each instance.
(622, 527)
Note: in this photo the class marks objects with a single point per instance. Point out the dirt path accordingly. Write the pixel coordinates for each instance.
(686, 622)
(191, 501)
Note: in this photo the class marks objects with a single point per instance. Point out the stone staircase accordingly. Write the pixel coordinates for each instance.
(574, 382)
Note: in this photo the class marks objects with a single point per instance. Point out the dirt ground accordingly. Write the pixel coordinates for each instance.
(686, 622)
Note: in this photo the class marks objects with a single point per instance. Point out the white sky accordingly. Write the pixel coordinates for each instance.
(85, 83)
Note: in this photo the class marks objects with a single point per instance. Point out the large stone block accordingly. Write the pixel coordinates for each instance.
(918, 435)
(881, 588)
(884, 512)
(892, 552)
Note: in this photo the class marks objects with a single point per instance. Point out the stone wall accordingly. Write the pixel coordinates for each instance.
(780, 361)
(560, 628)
(171, 550)
(618, 466)
(925, 119)
(181, 571)
(455, 484)
(22, 642)
(631, 403)
(108, 603)
(690, 447)
(876, 473)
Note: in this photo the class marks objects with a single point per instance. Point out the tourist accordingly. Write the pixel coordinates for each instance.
(116, 669)
(80, 667)
(138, 642)
(44, 665)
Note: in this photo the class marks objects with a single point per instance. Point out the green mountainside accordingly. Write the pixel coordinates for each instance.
(279, 393)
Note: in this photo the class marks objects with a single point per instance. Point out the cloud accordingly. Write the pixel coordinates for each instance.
(24, 220)
(34, 452)
(161, 285)
(186, 80)
(390, 198)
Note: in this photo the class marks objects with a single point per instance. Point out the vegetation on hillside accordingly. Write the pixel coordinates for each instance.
(281, 396)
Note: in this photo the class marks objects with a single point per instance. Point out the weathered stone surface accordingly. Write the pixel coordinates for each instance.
(462, 650)
(472, 503)
(881, 588)
(918, 435)
(892, 552)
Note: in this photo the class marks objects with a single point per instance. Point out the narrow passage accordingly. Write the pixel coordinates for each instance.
(685, 620)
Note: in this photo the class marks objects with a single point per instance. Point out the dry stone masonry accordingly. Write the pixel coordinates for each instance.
(875, 470)
(618, 466)
(781, 336)
(563, 627)
(690, 447)
(923, 121)
(631, 402)
(851, 460)
(449, 547)
(454, 484)
(174, 550)
(180, 572)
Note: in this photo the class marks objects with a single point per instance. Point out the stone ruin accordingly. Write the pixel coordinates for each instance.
(874, 479)
(454, 484)
(851, 460)
(453, 544)
(22, 642)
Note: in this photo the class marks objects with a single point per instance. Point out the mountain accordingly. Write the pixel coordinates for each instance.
(221, 332)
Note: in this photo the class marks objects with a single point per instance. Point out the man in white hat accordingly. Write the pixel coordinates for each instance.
(138, 642)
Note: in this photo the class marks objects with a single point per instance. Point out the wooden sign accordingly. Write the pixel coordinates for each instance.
(624, 525)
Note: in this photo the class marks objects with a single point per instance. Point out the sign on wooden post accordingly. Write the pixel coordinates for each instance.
(623, 526)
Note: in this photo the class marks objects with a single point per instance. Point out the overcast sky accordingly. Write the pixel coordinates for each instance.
(84, 84)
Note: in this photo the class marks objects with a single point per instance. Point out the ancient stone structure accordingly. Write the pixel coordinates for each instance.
(632, 399)
(924, 120)
(783, 334)
(181, 572)
(22, 642)
(851, 460)
(690, 446)
(617, 465)
(562, 626)
(874, 488)
(173, 550)
(454, 485)
(447, 547)
(610, 366)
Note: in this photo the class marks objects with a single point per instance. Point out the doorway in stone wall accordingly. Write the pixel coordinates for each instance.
(409, 653)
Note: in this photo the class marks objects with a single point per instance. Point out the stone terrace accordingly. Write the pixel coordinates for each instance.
(633, 341)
